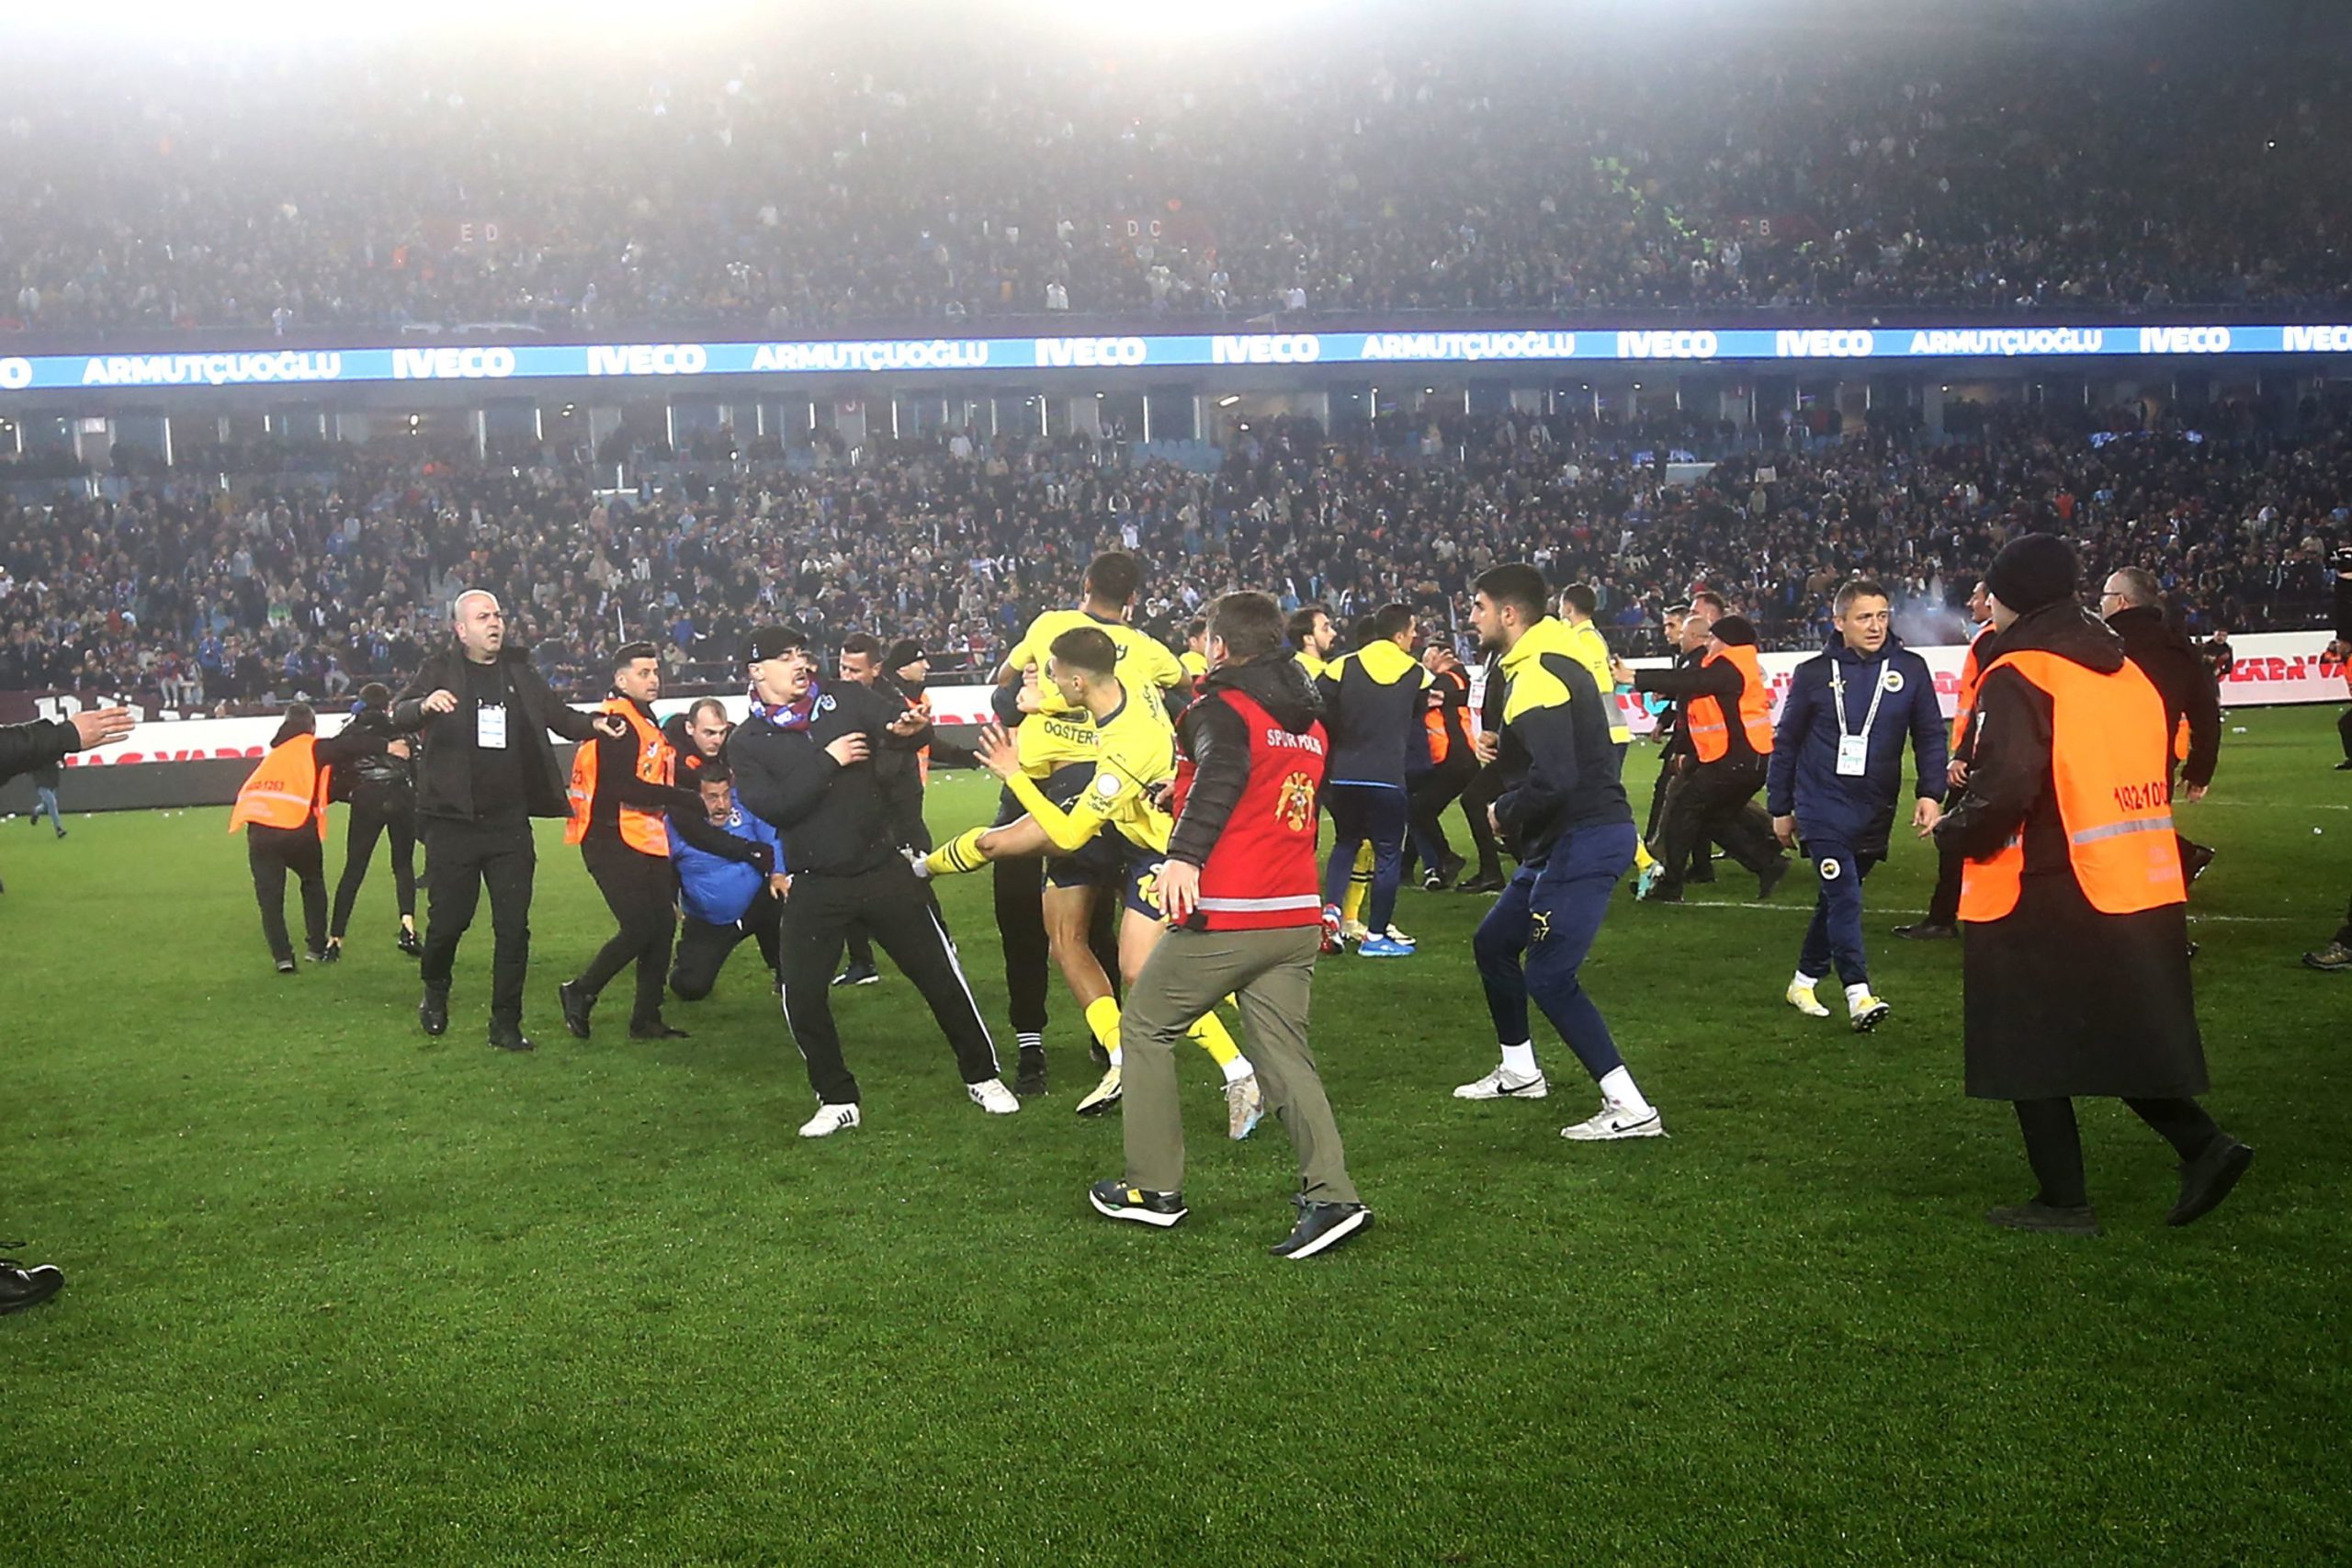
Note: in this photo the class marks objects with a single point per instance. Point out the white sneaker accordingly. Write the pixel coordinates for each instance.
(1245, 1107)
(1354, 931)
(1400, 938)
(1869, 1012)
(991, 1095)
(1503, 1084)
(1613, 1122)
(1104, 1095)
(828, 1120)
(1806, 1001)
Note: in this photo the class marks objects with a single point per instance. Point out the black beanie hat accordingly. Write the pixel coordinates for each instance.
(1735, 631)
(903, 652)
(2033, 571)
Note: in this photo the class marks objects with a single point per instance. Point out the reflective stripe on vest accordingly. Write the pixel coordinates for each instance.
(287, 787)
(655, 764)
(2109, 772)
(1710, 734)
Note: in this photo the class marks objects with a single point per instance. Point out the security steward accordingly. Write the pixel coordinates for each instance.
(2133, 603)
(381, 790)
(1727, 715)
(282, 806)
(622, 786)
(803, 762)
(1836, 780)
(1453, 762)
(483, 713)
(1942, 920)
(731, 883)
(2075, 969)
(1239, 886)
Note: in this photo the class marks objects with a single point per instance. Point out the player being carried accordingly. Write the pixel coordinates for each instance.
(1136, 756)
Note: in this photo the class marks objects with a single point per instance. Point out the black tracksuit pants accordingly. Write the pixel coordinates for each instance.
(1943, 904)
(640, 890)
(271, 852)
(1480, 792)
(369, 821)
(703, 947)
(904, 917)
(1020, 894)
(461, 858)
(1427, 796)
(1715, 801)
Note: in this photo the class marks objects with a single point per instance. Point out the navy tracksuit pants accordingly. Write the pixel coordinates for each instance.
(1834, 941)
(1548, 916)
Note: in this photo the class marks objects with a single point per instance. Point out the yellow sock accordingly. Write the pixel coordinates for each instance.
(1210, 1035)
(1359, 885)
(1643, 859)
(1102, 1018)
(958, 855)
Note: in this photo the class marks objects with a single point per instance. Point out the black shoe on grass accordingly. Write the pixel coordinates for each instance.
(1029, 1080)
(510, 1037)
(1321, 1228)
(1927, 931)
(2207, 1179)
(433, 1012)
(1118, 1200)
(21, 1287)
(577, 1004)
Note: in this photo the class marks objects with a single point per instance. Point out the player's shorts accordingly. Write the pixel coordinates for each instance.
(1139, 885)
(1104, 858)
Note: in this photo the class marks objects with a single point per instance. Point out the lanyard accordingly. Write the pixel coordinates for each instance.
(1837, 685)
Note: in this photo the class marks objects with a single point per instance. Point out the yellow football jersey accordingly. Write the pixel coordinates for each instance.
(1059, 733)
(1134, 749)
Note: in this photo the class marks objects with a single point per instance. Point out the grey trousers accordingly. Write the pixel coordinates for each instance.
(1272, 975)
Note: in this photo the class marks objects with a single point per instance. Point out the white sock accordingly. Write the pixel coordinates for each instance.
(1856, 996)
(1519, 1060)
(1237, 1069)
(1617, 1089)
(1805, 982)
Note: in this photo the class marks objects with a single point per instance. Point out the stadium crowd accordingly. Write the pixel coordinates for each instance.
(838, 184)
(309, 581)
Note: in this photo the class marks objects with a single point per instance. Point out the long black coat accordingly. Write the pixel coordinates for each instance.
(444, 781)
(26, 748)
(2182, 679)
(2060, 999)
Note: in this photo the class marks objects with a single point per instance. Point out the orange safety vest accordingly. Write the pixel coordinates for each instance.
(2107, 762)
(1710, 736)
(1971, 675)
(289, 787)
(641, 830)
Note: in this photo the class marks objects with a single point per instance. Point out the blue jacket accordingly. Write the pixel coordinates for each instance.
(1803, 780)
(718, 889)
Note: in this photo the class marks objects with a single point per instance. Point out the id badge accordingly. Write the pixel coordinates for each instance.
(1853, 756)
(490, 728)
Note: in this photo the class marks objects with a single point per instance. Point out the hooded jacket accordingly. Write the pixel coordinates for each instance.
(1217, 739)
(1559, 767)
(1802, 780)
(1373, 706)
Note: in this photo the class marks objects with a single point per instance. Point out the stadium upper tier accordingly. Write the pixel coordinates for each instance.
(969, 186)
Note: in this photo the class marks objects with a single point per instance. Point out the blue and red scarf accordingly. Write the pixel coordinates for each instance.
(788, 716)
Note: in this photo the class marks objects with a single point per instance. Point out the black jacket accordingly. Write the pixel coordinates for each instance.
(2182, 679)
(618, 785)
(1217, 739)
(2057, 997)
(2344, 607)
(444, 772)
(384, 783)
(26, 746)
(835, 820)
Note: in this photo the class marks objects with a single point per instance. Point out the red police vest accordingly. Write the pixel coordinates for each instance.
(1261, 874)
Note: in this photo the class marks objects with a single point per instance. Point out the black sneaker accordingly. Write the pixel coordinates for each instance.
(2037, 1216)
(433, 1012)
(1451, 867)
(577, 1004)
(2333, 959)
(2207, 1179)
(1029, 1082)
(858, 974)
(1770, 878)
(1484, 882)
(1118, 1200)
(324, 955)
(658, 1030)
(1927, 931)
(1703, 878)
(21, 1287)
(286, 966)
(411, 943)
(2197, 859)
(1655, 896)
(510, 1037)
(1321, 1228)
(2344, 766)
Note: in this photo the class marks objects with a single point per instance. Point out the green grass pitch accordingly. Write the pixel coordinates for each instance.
(340, 1293)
